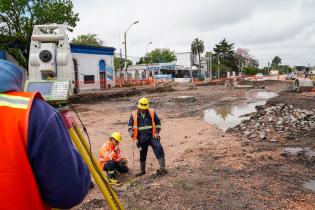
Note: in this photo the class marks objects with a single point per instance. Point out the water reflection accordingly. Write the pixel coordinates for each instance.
(229, 115)
(310, 185)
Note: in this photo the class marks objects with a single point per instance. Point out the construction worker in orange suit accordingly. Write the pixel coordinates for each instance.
(144, 127)
(110, 159)
(39, 166)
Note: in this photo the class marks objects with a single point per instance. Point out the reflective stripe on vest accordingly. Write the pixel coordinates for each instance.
(147, 127)
(18, 102)
(135, 127)
(18, 186)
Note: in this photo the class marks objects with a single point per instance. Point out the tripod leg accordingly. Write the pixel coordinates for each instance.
(106, 193)
(98, 168)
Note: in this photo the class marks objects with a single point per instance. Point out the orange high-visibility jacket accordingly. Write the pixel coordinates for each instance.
(107, 153)
(18, 187)
(135, 126)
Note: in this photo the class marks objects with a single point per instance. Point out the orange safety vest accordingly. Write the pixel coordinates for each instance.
(135, 127)
(107, 153)
(18, 186)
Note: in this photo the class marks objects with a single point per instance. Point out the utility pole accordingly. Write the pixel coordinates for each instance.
(125, 42)
(146, 49)
(120, 62)
(218, 66)
(210, 74)
(191, 76)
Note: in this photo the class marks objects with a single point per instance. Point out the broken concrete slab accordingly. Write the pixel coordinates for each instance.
(184, 99)
(304, 155)
(244, 86)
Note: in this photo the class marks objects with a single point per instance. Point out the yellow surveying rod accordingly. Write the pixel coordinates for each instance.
(85, 155)
(98, 168)
(84, 149)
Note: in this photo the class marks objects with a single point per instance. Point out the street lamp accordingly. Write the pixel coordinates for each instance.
(146, 49)
(210, 72)
(218, 65)
(125, 37)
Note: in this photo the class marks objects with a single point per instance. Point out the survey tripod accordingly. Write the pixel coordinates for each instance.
(85, 150)
(57, 93)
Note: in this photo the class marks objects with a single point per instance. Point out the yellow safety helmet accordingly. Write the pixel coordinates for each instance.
(143, 103)
(116, 136)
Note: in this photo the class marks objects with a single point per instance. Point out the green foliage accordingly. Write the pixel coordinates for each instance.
(264, 70)
(251, 71)
(17, 54)
(158, 55)
(284, 69)
(208, 55)
(225, 52)
(197, 48)
(275, 62)
(120, 63)
(18, 17)
(88, 39)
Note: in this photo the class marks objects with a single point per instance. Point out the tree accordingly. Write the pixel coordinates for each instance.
(284, 69)
(242, 56)
(158, 55)
(18, 17)
(249, 70)
(197, 48)
(245, 59)
(275, 62)
(88, 39)
(253, 63)
(225, 53)
(120, 62)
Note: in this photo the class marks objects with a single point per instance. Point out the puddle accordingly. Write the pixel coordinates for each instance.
(310, 185)
(293, 150)
(229, 115)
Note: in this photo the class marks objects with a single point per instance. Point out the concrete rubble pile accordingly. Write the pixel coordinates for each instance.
(277, 122)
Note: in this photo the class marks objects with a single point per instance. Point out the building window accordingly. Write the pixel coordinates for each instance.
(89, 79)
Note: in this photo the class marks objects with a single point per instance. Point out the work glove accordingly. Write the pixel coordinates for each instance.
(124, 161)
(137, 143)
(131, 134)
(156, 136)
(116, 149)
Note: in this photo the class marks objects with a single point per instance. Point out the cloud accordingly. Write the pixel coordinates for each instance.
(268, 28)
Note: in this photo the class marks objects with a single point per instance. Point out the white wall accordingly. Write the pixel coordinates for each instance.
(133, 68)
(88, 64)
(183, 59)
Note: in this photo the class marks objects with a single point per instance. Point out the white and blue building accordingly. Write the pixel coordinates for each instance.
(93, 66)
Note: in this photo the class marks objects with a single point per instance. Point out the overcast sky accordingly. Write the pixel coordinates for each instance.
(266, 27)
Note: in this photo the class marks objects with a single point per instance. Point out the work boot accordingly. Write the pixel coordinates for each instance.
(161, 170)
(112, 177)
(142, 169)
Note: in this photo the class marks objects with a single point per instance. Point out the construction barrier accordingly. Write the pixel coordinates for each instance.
(133, 82)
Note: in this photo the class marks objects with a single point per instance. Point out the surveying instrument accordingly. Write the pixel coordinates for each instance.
(51, 73)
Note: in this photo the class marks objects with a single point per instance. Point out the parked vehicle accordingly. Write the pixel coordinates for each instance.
(291, 76)
(259, 76)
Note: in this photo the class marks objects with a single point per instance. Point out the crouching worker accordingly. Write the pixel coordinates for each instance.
(110, 159)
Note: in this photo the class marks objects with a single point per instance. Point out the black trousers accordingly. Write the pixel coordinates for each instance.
(156, 146)
(111, 166)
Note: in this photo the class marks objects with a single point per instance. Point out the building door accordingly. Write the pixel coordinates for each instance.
(76, 76)
(102, 73)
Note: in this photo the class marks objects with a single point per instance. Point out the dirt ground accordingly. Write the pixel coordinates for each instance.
(208, 168)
